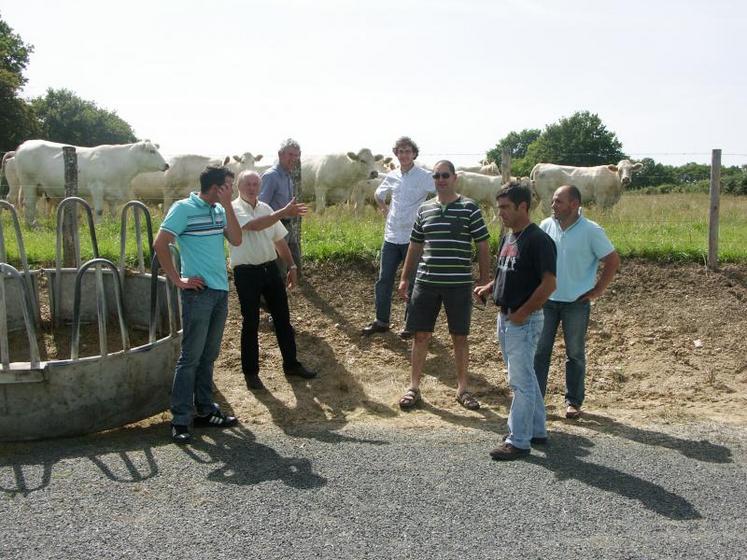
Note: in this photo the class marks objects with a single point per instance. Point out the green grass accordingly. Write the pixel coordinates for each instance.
(670, 227)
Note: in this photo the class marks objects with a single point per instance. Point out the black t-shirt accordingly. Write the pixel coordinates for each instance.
(523, 260)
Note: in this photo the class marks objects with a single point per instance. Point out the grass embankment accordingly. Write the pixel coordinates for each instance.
(671, 227)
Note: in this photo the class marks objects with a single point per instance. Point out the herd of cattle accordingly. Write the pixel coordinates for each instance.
(114, 174)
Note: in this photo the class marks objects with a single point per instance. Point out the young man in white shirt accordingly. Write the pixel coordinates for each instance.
(407, 188)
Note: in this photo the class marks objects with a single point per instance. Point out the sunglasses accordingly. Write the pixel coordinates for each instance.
(438, 176)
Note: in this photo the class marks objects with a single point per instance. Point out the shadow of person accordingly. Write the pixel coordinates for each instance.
(701, 450)
(564, 459)
(481, 419)
(241, 460)
(124, 455)
(322, 404)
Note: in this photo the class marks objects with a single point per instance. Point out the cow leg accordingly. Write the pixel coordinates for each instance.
(29, 203)
(320, 196)
(98, 202)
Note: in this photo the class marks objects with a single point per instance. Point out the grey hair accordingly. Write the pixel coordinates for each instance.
(289, 143)
(245, 174)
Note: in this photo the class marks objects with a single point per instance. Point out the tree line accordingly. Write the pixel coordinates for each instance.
(583, 140)
(59, 115)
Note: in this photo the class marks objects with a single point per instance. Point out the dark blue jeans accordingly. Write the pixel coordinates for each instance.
(574, 316)
(203, 318)
(392, 254)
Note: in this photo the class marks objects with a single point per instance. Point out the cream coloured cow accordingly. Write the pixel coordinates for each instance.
(333, 177)
(602, 184)
(483, 189)
(485, 168)
(104, 172)
(183, 177)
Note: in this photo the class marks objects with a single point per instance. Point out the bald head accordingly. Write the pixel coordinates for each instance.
(565, 204)
(249, 183)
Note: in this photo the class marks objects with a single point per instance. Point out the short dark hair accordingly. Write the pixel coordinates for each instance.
(574, 193)
(213, 175)
(447, 163)
(516, 194)
(406, 141)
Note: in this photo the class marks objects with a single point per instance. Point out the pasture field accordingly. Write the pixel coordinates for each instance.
(664, 227)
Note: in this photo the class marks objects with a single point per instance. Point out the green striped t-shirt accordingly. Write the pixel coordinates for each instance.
(447, 233)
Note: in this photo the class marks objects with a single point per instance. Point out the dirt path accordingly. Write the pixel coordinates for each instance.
(667, 342)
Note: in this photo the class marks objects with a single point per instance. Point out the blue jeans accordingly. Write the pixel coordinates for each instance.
(519, 343)
(392, 254)
(203, 318)
(574, 316)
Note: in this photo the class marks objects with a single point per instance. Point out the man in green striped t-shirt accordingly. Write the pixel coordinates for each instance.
(443, 233)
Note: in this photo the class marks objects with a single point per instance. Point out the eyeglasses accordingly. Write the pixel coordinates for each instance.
(438, 176)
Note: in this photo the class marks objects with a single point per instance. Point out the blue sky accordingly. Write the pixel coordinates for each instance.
(227, 77)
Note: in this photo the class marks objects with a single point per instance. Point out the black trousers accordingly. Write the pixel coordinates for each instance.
(253, 281)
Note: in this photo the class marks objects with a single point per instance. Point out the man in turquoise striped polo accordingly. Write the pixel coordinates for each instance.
(444, 230)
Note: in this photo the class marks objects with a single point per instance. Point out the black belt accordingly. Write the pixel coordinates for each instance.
(254, 266)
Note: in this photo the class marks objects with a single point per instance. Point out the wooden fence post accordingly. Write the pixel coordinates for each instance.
(505, 165)
(296, 221)
(713, 211)
(70, 244)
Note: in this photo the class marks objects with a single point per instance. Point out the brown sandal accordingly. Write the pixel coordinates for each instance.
(410, 399)
(468, 401)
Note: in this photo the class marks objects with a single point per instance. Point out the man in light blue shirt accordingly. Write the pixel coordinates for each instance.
(581, 245)
(199, 224)
(407, 188)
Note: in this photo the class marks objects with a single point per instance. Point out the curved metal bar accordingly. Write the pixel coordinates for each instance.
(57, 318)
(137, 208)
(28, 320)
(5, 205)
(74, 345)
(171, 290)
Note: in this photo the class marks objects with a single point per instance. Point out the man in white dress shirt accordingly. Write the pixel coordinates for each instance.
(407, 188)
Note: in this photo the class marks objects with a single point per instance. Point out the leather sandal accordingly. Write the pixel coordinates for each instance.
(468, 401)
(410, 399)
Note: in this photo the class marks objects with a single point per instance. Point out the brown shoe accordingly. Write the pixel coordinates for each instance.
(572, 411)
(507, 452)
(374, 327)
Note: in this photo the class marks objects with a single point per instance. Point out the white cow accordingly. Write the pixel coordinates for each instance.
(484, 188)
(602, 184)
(104, 172)
(11, 176)
(333, 177)
(485, 168)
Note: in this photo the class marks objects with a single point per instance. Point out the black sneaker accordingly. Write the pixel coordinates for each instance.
(533, 441)
(216, 420)
(507, 452)
(373, 328)
(180, 434)
(405, 334)
(299, 370)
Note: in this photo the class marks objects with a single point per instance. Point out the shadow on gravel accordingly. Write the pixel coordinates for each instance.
(124, 455)
(563, 458)
(127, 456)
(241, 460)
(701, 450)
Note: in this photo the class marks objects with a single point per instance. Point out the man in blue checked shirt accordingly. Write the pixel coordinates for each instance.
(199, 224)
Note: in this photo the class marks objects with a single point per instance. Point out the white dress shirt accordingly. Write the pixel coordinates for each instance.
(408, 191)
(257, 247)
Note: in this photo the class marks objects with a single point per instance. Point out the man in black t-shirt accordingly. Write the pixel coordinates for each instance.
(524, 279)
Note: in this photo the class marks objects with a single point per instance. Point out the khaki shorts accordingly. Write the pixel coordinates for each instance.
(425, 305)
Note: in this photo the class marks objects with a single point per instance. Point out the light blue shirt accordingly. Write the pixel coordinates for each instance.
(277, 187)
(580, 248)
(198, 228)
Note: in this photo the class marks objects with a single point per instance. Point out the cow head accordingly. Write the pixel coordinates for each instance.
(247, 159)
(152, 159)
(366, 159)
(624, 170)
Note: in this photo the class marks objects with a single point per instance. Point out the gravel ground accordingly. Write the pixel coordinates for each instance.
(369, 491)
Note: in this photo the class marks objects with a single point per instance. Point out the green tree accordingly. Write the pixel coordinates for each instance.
(581, 139)
(653, 174)
(17, 122)
(66, 118)
(516, 142)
